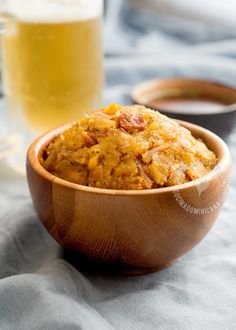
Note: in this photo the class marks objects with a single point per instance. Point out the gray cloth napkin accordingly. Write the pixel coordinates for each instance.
(41, 289)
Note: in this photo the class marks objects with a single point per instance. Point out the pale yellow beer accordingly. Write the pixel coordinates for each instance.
(53, 71)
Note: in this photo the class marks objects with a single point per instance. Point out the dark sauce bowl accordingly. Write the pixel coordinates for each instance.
(202, 102)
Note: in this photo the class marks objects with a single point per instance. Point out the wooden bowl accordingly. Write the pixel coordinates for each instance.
(202, 102)
(132, 232)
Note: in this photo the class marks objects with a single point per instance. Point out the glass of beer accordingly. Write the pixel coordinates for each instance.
(52, 64)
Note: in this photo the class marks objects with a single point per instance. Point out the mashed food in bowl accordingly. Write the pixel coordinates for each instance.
(128, 147)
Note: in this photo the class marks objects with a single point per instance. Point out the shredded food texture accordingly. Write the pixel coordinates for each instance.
(128, 148)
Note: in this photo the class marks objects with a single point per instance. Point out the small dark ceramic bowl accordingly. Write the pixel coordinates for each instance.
(201, 102)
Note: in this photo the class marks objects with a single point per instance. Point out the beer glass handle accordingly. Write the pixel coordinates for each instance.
(7, 22)
(7, 140)
(7, 26)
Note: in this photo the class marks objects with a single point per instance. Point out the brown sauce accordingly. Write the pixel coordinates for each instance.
(187, 105)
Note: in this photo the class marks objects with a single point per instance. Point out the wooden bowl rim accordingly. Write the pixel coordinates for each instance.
(145, 85)
(43, 140)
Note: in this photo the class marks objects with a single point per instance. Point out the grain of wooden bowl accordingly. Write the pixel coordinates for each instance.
(133, 232)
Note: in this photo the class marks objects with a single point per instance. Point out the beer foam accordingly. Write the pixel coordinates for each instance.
(51, 11)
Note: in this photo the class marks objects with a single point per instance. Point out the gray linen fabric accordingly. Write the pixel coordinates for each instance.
(41, 289)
